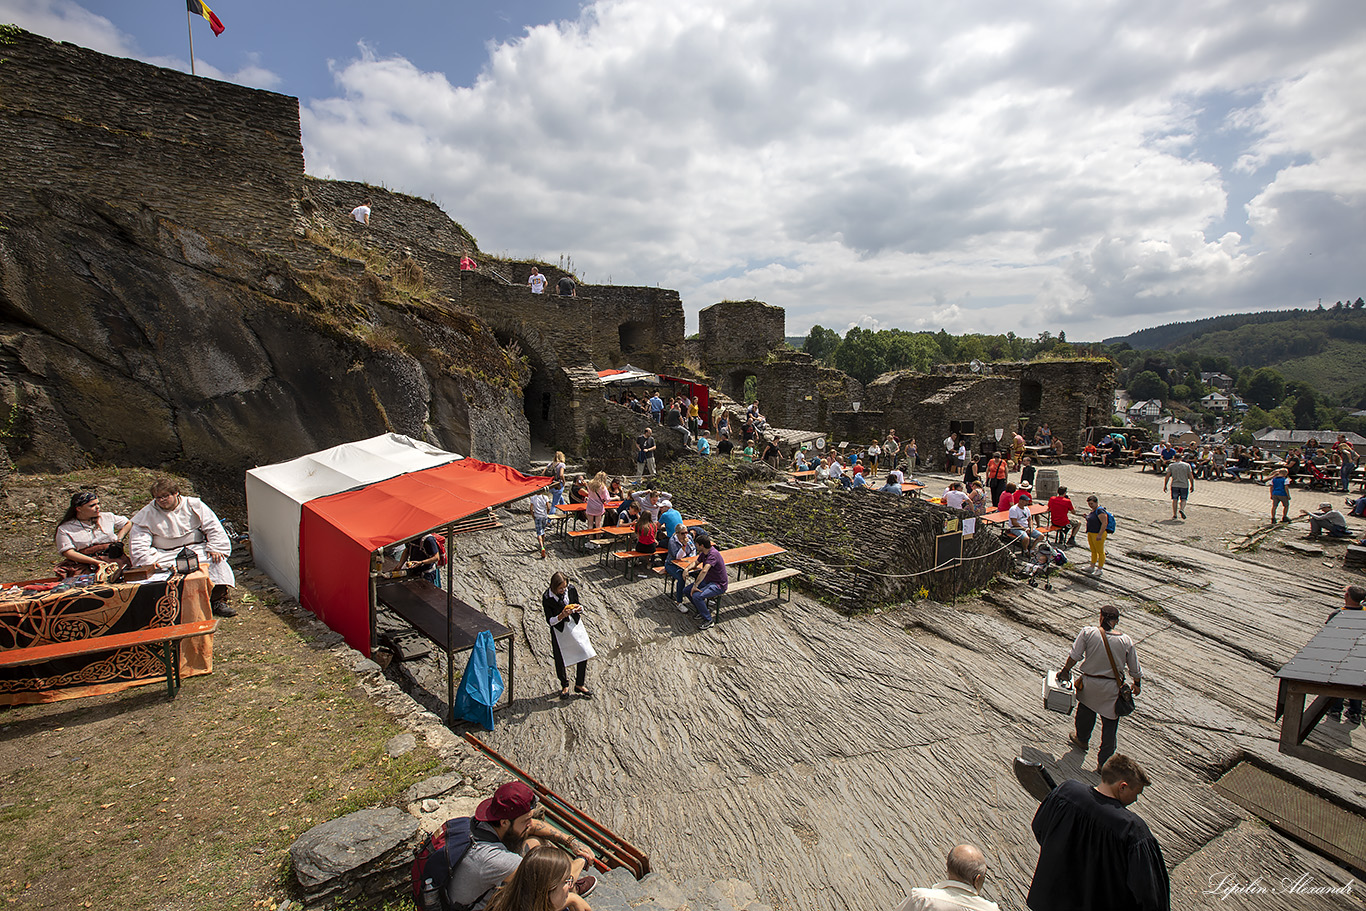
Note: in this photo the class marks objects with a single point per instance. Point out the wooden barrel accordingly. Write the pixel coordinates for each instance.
(1045, 484)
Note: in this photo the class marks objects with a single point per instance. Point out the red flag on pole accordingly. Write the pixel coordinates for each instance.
(200, 8)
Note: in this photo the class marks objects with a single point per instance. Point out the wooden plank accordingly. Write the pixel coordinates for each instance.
(39, 654)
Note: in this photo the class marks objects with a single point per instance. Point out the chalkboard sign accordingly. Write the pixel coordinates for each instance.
(948, 548)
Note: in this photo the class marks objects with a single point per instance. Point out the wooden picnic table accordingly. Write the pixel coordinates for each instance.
(1000, 517)
(801, 475)
(912, 488)
(571, 508)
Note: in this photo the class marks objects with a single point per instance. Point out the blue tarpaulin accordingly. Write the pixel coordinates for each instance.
(482, 684)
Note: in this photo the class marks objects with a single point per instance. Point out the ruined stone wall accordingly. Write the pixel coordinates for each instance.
(222, 157)
(859, 549)
(397, 221)
(1068, 395)
(798, 393)
(923, 406)
(736, 338)
(558, 334)
(606, 325)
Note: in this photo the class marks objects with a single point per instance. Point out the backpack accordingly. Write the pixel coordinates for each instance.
(437, 857)
(1109, 521)
(441, 547)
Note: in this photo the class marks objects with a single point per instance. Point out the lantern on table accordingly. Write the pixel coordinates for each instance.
(186, 562)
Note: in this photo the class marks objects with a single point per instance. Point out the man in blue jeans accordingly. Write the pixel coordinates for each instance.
(681, 548)
(712, 578)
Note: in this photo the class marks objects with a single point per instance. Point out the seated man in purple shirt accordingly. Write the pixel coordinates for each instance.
(712, 578)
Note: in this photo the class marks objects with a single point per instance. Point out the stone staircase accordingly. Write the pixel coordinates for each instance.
(619, 890)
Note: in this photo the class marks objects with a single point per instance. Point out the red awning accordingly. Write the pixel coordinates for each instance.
(337, 534)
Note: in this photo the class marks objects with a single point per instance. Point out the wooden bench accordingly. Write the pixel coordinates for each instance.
(1059, 532)
(167, 637)
(630, 558)
(590, 536)
(775, 580)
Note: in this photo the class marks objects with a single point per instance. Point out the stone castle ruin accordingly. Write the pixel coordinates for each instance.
(174, 290)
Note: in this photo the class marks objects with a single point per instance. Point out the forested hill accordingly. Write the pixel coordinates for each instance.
(1325, 348)
(1187, 335)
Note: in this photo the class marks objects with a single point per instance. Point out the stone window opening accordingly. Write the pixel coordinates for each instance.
(633, 336)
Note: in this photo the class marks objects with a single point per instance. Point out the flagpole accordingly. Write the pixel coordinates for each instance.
(189, 28)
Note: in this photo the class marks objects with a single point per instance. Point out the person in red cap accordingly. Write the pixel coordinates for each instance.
(502, 831)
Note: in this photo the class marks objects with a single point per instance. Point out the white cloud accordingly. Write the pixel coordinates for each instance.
(983, 165)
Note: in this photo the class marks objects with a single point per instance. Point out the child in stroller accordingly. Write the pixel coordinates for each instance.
(1040, 564)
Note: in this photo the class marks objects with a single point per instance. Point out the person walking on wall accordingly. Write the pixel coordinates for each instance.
(537, 281)
(361, 213)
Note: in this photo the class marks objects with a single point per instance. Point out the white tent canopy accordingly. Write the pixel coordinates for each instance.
(276, 493)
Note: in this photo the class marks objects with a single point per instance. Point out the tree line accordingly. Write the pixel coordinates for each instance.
(866, 354)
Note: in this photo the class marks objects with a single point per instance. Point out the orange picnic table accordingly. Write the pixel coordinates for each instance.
(1000, 517)
(739, 556)
(580, 507)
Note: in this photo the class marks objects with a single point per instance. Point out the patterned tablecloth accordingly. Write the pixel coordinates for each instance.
(101, 610)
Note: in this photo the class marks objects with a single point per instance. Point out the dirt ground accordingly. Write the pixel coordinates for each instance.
(134, 801)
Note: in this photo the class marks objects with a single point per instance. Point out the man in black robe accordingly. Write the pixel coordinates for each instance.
(1096, 853)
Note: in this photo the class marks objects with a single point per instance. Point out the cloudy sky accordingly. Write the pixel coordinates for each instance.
(1090, 166)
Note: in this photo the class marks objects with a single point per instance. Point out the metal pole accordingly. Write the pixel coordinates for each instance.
(450, 623)
(189, 28)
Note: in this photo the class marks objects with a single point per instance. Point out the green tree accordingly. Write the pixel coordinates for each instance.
(862, 355)
(1306, 410)
(1266, 388)
(1181, 392)
(1147, 385)
(821, 343)
(1255, 419)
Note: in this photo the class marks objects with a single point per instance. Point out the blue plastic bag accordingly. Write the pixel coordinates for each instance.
(481, 685)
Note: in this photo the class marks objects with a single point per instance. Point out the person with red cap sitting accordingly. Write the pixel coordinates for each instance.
(502, 830)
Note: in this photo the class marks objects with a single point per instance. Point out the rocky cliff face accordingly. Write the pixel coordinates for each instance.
(128, 338)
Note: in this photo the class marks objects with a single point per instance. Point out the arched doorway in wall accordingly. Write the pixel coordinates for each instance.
(742, 385)
(540, 403)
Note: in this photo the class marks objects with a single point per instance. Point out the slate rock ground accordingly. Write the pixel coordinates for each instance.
(831, 761)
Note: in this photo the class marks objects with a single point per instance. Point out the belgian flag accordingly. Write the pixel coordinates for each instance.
(200, 8)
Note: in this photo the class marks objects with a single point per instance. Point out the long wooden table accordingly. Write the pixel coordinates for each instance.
(424, 606)
(579, 512)
(739, 556)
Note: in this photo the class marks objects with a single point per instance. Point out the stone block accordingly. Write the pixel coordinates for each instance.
(354, 854)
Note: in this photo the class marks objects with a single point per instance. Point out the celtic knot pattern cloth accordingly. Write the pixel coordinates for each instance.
(101, 610)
